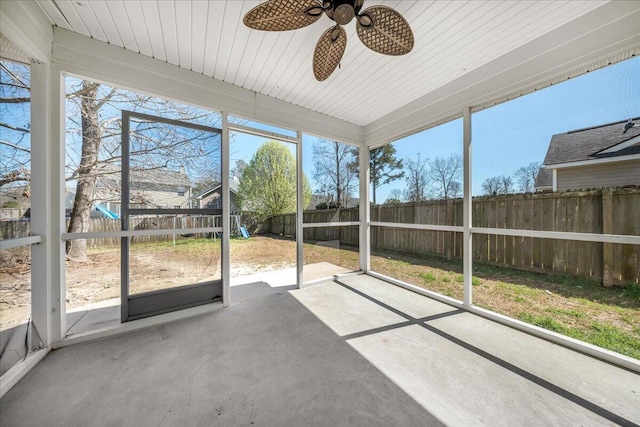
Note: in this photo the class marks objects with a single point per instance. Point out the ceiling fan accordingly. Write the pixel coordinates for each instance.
(380, 28)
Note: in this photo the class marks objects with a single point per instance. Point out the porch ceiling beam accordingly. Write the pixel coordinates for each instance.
(28, 28)
(103, 62)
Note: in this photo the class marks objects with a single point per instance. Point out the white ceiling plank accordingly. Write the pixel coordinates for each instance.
(183, 18)
(167, 14)
(106, 20)
(77, 24)
(240, 46)
(138, 25)
(212, 38)
(271, 63)
(85, 12)
(452, 40)
(54, 14)
(252, 48)
(232, 19)
(256, 75)
(199, 30)
(155, 38)
(296, 48)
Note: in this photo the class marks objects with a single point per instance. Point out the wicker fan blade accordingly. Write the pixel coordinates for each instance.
(385, 31)
(329, 51)
(283, 15)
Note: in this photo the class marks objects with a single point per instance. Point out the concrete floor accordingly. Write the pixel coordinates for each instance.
(356, 351)
(106, 314)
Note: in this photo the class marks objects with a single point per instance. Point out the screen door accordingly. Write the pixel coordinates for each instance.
(171, 208)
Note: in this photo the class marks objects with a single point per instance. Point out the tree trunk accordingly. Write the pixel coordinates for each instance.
(91, 138)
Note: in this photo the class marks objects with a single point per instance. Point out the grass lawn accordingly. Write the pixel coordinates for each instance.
(576, 307)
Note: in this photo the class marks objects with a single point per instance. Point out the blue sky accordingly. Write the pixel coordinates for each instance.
(514, 133)
(509, 135)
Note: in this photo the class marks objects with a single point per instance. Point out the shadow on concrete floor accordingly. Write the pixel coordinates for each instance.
(265, 360)
(354, 351)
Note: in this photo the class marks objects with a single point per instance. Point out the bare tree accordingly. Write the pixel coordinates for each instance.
(15, 129)
(455, 189)
(497, 185)
(506, 184)
(334, 171)
(491, 186)
(526, 177)
(443, 173)
(94, 138)
(417, 173)
(86, 172)
(395, 197)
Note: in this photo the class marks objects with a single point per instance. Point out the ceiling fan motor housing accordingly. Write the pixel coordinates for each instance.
(343, 11)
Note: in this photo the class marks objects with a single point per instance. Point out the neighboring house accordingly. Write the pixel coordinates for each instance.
(15, 201)
(544, 180)
(601, 156)
(212, 198)
(151, 188)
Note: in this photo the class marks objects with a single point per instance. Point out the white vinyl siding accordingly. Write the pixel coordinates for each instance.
(595, 176)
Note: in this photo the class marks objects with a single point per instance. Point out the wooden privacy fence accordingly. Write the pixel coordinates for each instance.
(607, 211)
(21, 228)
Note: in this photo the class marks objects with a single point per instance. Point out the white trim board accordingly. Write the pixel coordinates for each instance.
(622, 145)
(28, 28)
(594, 161)
(17, 372)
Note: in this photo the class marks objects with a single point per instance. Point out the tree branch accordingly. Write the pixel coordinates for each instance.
(15, 100)
(17, 147)
(8, 126)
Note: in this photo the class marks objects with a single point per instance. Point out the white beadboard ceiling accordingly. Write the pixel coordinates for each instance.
(452, 38)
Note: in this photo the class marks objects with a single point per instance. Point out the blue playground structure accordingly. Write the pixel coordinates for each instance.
(106, 212)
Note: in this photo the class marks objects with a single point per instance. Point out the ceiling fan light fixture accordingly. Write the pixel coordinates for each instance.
(314, 11)
(365, 20)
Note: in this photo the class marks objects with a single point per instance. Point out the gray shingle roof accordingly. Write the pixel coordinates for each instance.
(161, 179)
(586, 144)
(544, 178)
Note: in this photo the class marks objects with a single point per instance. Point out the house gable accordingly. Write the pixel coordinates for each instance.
(632, 145)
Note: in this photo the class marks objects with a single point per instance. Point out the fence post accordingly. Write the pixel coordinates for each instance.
(449, 220)
(607, 228)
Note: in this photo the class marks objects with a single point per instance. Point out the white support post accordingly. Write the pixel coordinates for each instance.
(226, 212)
(365, 210)
(467, 267)
(41, 215)
(300, 214)
(56, 209)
